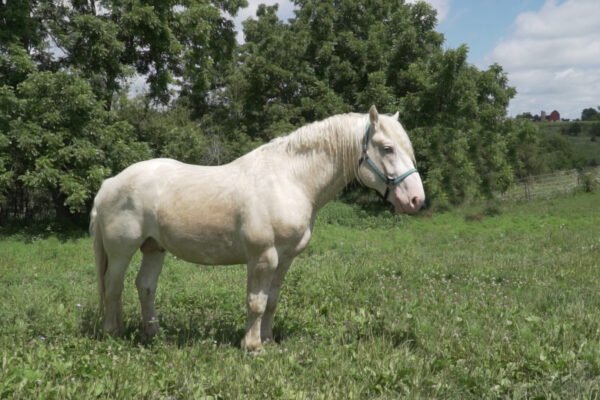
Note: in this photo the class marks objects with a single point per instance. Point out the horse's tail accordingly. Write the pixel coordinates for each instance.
(100, 255)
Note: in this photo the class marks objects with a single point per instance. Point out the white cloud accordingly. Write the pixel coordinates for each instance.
(553, 58)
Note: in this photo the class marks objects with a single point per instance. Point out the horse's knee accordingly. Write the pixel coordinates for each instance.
(257, 302)
(272, 301)
(144, 287)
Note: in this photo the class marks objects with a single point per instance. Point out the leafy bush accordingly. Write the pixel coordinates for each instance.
(61, 143)
(589, 181)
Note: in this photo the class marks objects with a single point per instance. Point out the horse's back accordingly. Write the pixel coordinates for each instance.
(127, 188)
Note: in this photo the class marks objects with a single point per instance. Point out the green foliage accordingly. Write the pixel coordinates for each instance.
(169, 133)
(459, 128)
(60, 142)
(573, 129)
(275, 89)
(15, 64)
(560, 153)
(526, 155)
(595, 130)
(589, 181)
(590, 114)
(209, 99)
(526, 115)
(184, 42)
(432, 307)
(389, 56)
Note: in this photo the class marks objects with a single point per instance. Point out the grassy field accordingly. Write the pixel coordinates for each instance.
(463, 304)
(584, 145)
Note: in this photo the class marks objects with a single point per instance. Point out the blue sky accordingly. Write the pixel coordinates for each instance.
(549, 48)
(481, 24)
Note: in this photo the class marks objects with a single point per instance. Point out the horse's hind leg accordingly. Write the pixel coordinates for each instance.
(119, 250)
(146, 281)
(113, 283)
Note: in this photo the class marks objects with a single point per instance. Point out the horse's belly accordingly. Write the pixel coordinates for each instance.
(204, 248)
(211, 238)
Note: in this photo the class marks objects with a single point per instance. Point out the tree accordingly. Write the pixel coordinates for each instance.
(61, 143)
(274, 88)
(590, 114)
(559, 153)
(461, 111)
(574, 129)
(339, 55)
(64, 65)
(187, 43)
(525, 115)
(354, 46)
(525, 152)
(168, 132)
(595, 130)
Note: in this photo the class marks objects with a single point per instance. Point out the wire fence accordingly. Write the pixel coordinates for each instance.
(551, 185)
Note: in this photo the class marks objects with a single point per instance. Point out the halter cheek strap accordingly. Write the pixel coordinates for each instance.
(389, 181)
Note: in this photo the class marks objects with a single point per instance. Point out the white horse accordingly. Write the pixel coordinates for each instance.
(259, 209)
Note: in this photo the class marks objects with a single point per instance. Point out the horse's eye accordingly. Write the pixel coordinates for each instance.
(388, 149)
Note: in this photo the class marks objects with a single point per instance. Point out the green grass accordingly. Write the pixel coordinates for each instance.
(453, 305)
(589, 149)
(583, 144)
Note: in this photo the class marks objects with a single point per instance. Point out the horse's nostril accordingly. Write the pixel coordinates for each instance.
(415, 202)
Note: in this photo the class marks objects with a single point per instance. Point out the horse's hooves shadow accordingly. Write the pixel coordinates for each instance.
(224, 332)
(221, 333)
(90, 325)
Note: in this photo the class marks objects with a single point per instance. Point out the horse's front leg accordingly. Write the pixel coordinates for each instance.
(266, 329)
(260, 275)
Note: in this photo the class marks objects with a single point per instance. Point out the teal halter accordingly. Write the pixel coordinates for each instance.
(389, 181)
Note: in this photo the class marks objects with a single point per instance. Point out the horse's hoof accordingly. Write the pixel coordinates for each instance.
(113, 331)
(254, 348)
(257, 352)
(267, 340)
(149, 330)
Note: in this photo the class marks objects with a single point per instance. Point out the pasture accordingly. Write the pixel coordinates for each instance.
(471, 303)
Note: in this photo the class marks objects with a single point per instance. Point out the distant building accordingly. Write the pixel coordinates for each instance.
(554, 116)
(543, 115)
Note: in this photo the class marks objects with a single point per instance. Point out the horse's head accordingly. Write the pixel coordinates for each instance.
(387, 164)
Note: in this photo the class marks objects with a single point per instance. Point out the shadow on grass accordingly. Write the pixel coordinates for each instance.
(180, 333)
(219, 332)
(228, 331)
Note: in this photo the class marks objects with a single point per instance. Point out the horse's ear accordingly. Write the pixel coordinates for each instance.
(374, 116)
(396, 116)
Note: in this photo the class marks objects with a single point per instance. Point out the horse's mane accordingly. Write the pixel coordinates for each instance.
(338, 136)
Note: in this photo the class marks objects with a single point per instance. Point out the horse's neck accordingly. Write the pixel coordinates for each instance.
(332, 163)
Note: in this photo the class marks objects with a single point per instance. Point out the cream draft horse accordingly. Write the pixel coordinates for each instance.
(259, 210)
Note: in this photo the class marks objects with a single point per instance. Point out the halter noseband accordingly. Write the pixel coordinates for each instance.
(389, 182)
